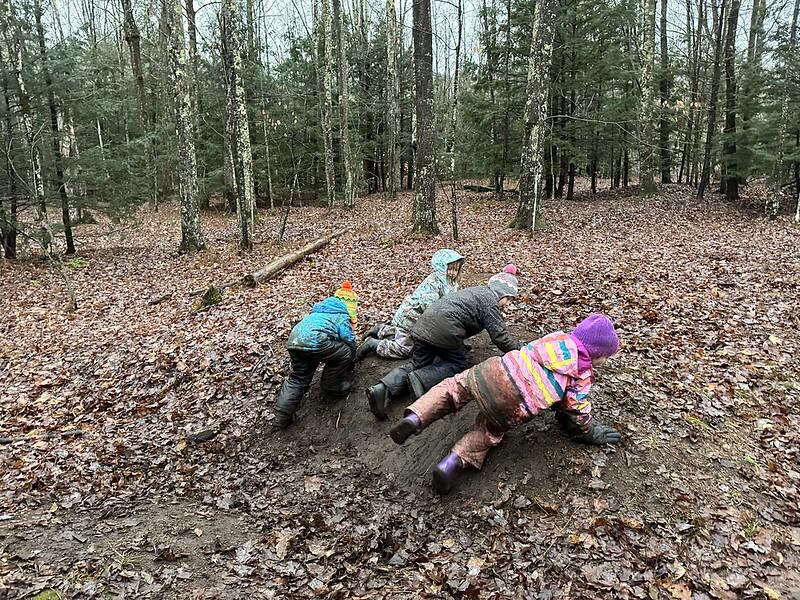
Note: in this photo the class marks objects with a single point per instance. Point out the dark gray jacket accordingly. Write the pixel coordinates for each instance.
(450, 320)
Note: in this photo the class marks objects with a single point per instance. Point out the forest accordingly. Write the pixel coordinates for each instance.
(184, 183)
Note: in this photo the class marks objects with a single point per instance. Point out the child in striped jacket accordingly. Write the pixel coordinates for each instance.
(552, 372)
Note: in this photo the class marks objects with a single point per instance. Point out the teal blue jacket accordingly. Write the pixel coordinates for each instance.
(328, 322)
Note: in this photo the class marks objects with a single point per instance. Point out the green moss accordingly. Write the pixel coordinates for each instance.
(47, 595)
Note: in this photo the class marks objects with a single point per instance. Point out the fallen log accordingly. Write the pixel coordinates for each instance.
(483, 188)
(287, 260)
(276, 266)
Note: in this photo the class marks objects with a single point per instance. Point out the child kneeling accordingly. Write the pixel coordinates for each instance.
(325, 335)
(552, 372)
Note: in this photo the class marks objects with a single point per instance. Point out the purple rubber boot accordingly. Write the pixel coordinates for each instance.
(445, 473)
(405, 427)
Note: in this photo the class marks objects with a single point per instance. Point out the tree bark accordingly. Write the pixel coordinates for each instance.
(664, 87)
(133, 39)
(536, 110)
(325, 79)
(711, 126)
(191, 232)
(393, 101)
(507, 100)
(424, 202)
(8, 220)
(56, 138)
(230, 35)
(451, 143)
(13, 37)
(729, 152)
(344, 107)
(647, 112)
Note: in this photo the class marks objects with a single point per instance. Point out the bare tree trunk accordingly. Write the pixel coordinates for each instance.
(451, 143)
(13, 37)
(344, 107)
(664, 86)
(393, 100)
(647, 113)
(132, 37)
(732, 183)
(424, 203)
(8, 220)
(711, 126)
(774, 202)
(507, 107)
(325, 83)
(266, 125)
(56, 139)
(536, 109)
(230, 35)
(191, 233)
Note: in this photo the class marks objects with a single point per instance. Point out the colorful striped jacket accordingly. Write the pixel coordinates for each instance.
(546, 374)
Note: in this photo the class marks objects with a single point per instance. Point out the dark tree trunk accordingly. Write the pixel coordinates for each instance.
(732, 177)
(571, 184)
(705, 176)
(625, 169)
(664, 84)
(424, 204)
(56, 138)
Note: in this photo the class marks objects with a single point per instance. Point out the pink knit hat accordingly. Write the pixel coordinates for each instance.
(510, 268)
(596, 332)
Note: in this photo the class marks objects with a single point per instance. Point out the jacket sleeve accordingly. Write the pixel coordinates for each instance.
(575, 411)
(346, 333)
(496, 327)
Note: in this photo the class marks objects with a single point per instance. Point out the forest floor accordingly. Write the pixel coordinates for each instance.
(700, 500)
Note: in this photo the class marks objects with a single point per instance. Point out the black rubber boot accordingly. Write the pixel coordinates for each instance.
(372, 332)
(282, 421)
(404, 428)
(378, 398)
(367, 347)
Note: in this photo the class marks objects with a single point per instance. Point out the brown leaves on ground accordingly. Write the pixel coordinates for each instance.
(700, 501)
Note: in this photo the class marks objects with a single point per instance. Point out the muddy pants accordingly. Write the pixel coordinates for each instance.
(448, 397)
(395, 342)
(336, 381)
(424, 366)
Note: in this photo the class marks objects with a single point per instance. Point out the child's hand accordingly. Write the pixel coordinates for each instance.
(600, 435)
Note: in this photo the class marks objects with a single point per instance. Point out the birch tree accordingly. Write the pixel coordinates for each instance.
(230, 35)
(647, 112)
(324, 62)
(664, 87)
(191, 233)
(344, 106)
(9, 25)
(392, 100)
(535, 121)
(424, 203)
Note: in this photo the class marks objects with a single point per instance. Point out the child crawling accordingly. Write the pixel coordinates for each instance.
(552, 372)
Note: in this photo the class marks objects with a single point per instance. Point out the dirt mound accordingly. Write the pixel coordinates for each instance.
(534, 454)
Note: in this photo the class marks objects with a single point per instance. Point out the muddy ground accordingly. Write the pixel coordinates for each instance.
(699, 501)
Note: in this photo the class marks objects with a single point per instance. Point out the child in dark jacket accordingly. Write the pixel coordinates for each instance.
(326, 335)
(440, 333)
(554, 372)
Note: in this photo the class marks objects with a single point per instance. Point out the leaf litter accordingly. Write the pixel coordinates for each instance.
(700, 501)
